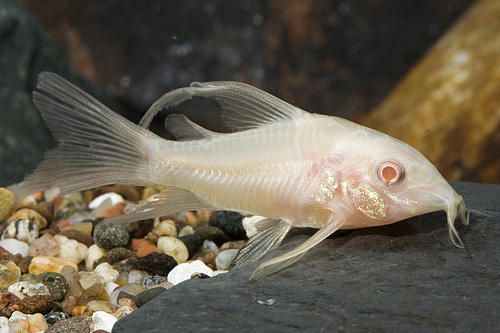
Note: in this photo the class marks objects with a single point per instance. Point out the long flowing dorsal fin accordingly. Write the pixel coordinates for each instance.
(184, 129)
(168, 201)
(244, 107)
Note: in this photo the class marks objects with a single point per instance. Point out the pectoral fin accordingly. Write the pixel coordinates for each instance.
(285, 260)
(262, 243)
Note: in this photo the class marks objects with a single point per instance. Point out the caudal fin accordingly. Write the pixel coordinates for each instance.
(96, 145)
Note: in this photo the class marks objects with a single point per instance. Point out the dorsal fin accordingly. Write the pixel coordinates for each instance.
(184, 129)
(244, 107)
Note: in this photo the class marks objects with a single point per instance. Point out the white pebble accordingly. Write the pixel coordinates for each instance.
(93, 254)
(88, 279)
(106, 200)
(21, 229)
(15, 246)
(107, 272)
(25, 288)
(249, 224)
(71, 249)
(4, 325)
(224, 258)
(110, 287)
(136, 276)
(103, 321)
(187, 230)
(209, 245)
(184, 271)
(174, 247)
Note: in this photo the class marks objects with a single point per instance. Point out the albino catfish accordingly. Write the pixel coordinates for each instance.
(295, 168)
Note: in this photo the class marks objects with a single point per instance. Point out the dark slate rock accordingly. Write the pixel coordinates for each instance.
(401, 277)
(110, 235)
(229, 222)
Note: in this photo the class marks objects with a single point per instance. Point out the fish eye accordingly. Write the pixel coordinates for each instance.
(390, 173)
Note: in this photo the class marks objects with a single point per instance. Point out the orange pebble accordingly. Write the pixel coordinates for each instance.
(114, 210)
(142, 247)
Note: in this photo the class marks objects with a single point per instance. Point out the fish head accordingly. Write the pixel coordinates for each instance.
(392, 181)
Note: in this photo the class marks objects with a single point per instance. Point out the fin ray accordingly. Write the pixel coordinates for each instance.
(261, 243)
(96, 145)
(184, 129)
(170, 200)
(276, 264)
(243, 106)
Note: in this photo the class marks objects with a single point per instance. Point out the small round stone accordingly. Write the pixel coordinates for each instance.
(7, 203)
(231, 223)
(54, 317)
(192, 242)
(151, 281)
(164, 228)
(214, 234)
(137, 276)
(156, 263)
(71, 249)
(94, 253)
(21, 229)
(24, 288)
(43, 264)
(107, 272)
(173, 247)
(224, 259)
(79, 236)
(110, 235)
(103, 321)
(142, 247)
(186, 231)
(46, 245)
(36, 304)
(29, 214)
(57, 284)
(74, 324)
(147, 295)
(15, 246)
(9, 273)
(115, 255)
(30, 277)
(139, 229)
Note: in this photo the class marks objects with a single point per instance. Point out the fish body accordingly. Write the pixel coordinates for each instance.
(295, 168)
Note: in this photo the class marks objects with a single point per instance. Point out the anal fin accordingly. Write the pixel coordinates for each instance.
(262, 243)
(169, 200)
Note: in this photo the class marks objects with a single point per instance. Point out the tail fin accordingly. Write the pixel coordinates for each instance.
(96, 145)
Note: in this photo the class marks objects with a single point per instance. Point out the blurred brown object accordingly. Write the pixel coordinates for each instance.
(448, 105)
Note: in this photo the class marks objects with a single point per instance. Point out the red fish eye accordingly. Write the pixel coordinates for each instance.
(390, 172)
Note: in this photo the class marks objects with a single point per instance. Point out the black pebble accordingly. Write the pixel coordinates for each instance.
(192, 242)
(229, 222)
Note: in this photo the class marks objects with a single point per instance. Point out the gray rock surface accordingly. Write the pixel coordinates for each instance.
(401, 277)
